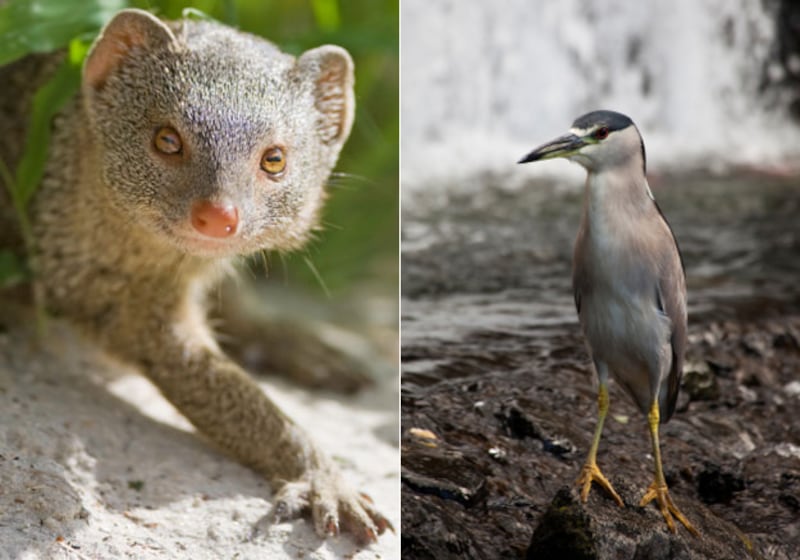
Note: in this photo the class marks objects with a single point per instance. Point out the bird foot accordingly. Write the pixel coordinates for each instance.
(659, 493)
(591, 472)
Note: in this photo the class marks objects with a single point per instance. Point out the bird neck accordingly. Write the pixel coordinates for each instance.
(616, 197)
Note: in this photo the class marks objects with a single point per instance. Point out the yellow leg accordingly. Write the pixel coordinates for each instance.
(658, 488)
(590, 471)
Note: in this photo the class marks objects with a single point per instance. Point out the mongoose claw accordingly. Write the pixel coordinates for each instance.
(333, 506)
(365, 528)
(291, 501)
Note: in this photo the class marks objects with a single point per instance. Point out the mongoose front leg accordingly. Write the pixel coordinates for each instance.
(225, 404)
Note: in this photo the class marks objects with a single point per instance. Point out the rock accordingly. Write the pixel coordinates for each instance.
(699, 382)
(599, 529)
(519, 423)
(715, 486)
(444, 473)
(490, 483)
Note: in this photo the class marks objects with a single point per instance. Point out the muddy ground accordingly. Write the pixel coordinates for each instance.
(495, 369)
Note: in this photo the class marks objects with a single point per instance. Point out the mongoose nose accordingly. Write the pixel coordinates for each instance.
(215, 220)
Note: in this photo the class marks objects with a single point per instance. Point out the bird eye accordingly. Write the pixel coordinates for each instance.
(167, 141)
(601, 133)
(273, 161)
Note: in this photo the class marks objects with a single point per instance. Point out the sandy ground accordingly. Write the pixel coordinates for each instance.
(94, 463)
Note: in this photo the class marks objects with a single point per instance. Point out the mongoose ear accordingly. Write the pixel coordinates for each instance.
(330, 69)
(126, 30)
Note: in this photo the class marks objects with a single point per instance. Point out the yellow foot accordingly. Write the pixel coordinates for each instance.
(668, 508)
(590, 472)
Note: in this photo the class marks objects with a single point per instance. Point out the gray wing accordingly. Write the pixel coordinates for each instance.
(579, 274)
(671, 297)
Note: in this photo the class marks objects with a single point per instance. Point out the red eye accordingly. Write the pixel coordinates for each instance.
(601, 133)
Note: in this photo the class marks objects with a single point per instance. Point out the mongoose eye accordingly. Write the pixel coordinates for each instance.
(167, 141)
(273, 161)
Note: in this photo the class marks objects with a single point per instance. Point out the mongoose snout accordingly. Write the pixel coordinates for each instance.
(214, 219)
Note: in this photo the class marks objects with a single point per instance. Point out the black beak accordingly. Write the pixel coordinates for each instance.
(563, 146)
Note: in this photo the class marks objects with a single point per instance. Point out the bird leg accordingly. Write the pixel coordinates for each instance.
(658, 488)
(590, 471)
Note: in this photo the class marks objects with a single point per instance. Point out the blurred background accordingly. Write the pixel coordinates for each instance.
(709, 83)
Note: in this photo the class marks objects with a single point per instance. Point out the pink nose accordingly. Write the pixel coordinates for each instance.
(215, 220)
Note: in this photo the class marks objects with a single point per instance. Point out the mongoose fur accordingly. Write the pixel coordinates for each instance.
(190, 144)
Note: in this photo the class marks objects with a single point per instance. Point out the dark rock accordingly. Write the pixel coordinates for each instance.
(721, 366)
(443, 473)
(790, 501)
(436, 531)
(599, 529)
(464, 500)
(563, 532)
(560, 447)
(790, 491)
(699, 382)
(715, 486)
(519, 423)
(785, 341)
(755, 344)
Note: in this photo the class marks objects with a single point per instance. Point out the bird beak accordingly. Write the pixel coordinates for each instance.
(563, 146)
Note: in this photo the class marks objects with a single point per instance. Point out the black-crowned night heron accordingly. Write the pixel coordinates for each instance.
(628, 283)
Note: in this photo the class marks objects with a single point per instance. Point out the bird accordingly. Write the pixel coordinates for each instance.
(629, 286)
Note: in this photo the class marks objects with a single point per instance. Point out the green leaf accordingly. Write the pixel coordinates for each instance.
(46, 103)
(28, 26)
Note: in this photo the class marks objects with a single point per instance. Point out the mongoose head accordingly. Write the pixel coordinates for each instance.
(211, 139)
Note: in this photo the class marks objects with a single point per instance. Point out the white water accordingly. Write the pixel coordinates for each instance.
(483, 82)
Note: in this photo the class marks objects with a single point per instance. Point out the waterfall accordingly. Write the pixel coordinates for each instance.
(484, 82)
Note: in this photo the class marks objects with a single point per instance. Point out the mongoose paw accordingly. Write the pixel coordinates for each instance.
(291, 501)
(333, 507)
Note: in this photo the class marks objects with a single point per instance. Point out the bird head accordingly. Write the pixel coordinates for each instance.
(598, 140)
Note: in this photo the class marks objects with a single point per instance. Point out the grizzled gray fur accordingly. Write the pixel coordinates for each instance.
(122, 246)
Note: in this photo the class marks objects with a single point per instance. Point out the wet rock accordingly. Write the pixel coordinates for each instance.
(443, 473)
(699, 382)
(599, 529)
(791, 501)
(755, 344)
(433, 531)
(520, 424)
(563, 532)
(786, 341)
(717, 486)
(517, 424)
(721, 365)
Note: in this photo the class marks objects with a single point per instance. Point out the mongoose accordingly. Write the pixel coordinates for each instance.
(189, 144)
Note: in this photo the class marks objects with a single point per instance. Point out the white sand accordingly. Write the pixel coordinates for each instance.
(94, 463)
